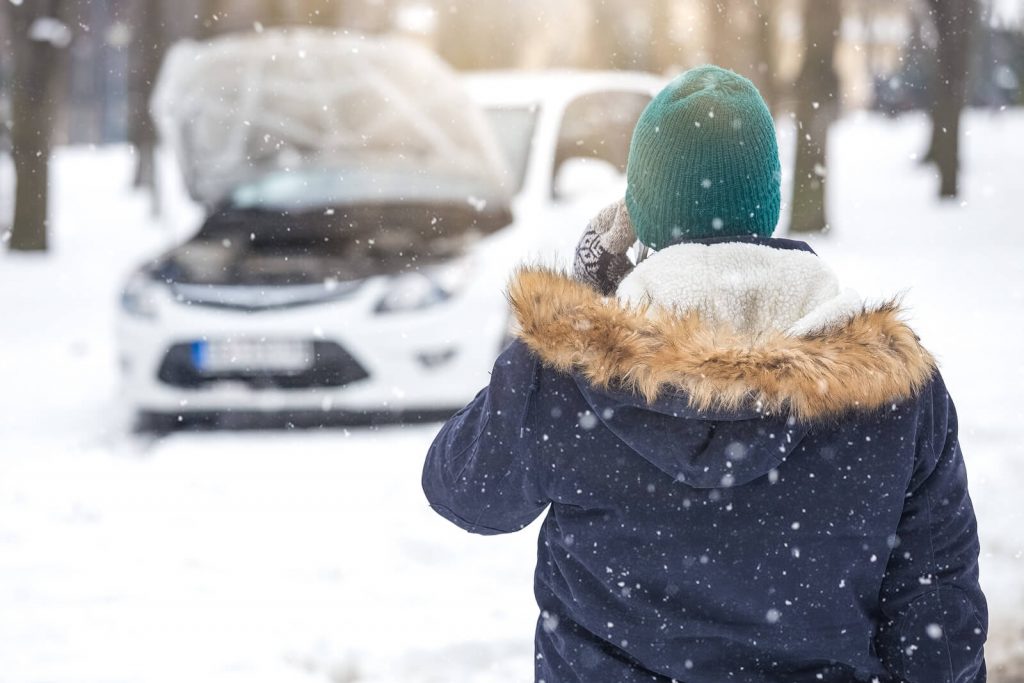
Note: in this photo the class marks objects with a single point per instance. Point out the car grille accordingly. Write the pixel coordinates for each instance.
(332, 366)
(262, 298)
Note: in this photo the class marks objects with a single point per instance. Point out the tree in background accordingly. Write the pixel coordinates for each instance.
(954, 21)
(147, 53)
(817, 106)
(766, 63)
(36, 38)
(723, 34)
(469, 34)
(666, 55)
(209, 14)
(215, 17)
(324, 13)
(634, 35)
(741, 37)
(611, 36)
(495, 34)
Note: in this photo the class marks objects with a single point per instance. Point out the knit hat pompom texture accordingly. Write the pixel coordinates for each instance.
(704, 161)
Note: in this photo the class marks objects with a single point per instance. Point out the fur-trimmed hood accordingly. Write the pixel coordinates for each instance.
(712, 346)
(699, 534)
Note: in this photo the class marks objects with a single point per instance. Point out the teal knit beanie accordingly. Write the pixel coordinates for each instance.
(704, 161)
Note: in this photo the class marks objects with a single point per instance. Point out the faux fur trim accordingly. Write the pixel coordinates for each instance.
(866, 361)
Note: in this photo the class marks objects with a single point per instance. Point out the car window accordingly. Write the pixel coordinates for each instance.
(599, 126)
(513, 127)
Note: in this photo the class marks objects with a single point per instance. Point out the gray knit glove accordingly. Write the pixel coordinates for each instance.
(601, 259)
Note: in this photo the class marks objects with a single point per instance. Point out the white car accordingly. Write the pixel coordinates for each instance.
(269, 313)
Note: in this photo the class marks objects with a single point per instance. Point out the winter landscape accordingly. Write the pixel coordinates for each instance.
(293, 554)
(313, 555)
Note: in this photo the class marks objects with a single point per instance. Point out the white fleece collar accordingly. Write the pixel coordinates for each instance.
(750, 287)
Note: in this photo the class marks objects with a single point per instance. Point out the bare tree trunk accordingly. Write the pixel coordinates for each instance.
(366, 17)
(868, 15)
(954, 21)
(665, 50)
(148, 50)
(721, 33)
(474, 34)
(211, 15)
(33, 75)
(322, 13)
(765, 61)
(611, 37)
(817, 107)
(280, 12)
(325, 13)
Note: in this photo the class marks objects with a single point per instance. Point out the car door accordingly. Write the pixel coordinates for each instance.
(592, 149)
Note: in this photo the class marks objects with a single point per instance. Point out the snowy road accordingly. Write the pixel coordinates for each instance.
(252, 557)
(301, 556)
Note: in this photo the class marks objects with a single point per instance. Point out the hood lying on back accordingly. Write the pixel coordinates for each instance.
(813, 356)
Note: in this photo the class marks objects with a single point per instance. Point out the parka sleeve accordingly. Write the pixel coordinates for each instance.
(480, 472)
(935, 616)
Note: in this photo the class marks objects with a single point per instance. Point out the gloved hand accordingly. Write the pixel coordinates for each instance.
(601, 259)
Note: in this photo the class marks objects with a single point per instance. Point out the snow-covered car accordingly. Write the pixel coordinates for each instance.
(357, 275)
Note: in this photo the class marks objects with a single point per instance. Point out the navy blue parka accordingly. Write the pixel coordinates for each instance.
(706, 521)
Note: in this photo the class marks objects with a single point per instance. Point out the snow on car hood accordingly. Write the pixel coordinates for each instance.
(239, 107)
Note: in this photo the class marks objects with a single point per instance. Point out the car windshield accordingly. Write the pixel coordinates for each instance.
(513, 127)
(305, 189)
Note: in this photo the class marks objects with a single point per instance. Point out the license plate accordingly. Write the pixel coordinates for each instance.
(246, 355)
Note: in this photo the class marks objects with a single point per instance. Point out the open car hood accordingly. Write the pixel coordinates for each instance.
(241, 106)
(268, 249)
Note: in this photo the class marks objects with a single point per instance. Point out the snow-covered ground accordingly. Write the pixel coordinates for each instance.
(312, 556)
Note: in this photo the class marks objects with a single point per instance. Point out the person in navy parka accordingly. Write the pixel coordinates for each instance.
(749, 474)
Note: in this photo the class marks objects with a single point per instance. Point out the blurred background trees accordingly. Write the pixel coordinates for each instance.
(146, 53)
(37, 34)
(76, 72)
(816, 92)
(954, 22)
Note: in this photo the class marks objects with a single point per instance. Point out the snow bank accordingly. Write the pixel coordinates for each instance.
(240, 106)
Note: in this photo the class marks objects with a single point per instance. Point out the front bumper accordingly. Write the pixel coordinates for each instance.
(427, 361)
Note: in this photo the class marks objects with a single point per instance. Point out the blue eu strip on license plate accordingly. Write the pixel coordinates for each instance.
(199, 355)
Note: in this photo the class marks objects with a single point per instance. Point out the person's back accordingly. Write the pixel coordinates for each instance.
(751, 476)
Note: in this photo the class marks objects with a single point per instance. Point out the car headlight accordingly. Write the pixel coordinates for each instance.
(139, 296)
(423, 288)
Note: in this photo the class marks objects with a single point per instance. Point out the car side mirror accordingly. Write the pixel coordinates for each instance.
(579, 176)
